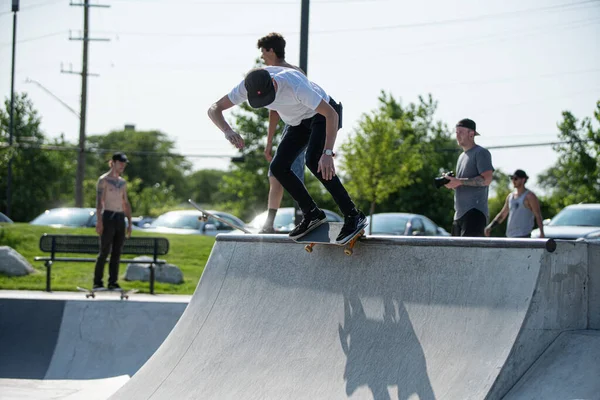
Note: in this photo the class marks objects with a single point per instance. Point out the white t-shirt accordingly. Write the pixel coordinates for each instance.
(296, 97)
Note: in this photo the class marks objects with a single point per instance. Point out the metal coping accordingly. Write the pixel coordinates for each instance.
(436, 241)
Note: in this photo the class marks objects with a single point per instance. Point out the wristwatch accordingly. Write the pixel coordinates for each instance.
(328, 152)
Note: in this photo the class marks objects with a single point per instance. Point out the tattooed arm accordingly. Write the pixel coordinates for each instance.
(100, 190)
(127, 209)
(480, 180)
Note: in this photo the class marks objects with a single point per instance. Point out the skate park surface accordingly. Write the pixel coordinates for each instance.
(402, 318)
(62, 346)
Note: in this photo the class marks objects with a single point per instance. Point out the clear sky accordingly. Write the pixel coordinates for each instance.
(512, 66)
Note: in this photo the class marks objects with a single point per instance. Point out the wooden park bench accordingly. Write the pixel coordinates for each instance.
(86, 244)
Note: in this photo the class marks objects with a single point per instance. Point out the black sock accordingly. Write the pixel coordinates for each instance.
(271, 217)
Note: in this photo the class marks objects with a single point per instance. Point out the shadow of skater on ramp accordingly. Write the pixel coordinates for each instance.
(383, 353)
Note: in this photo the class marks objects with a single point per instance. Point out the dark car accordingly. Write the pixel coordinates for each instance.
(5, 219)
(284, 220)
(67, 216)
(187, 222)
(403, 224)
(579, 221)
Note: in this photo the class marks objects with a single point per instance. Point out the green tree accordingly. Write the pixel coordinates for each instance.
(151, 155)
(378, 159)
(204, 186)
(575, 177)
(423, 149)
(41, 178)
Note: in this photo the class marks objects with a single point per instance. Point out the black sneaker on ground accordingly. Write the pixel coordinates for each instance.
(267, 230)
(98, 286)
(309, 222)
(352, 225)
(114, 286)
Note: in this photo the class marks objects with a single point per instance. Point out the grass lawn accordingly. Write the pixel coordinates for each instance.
(188, 252)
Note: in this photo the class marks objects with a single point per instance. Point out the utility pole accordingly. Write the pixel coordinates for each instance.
(80, 176)
(11, 124)
(304, 35)
(304, 66)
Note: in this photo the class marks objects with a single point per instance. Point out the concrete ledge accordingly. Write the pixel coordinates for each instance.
(433, 241)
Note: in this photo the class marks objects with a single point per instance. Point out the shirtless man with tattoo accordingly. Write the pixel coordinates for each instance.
(473, 176)
(112, 207)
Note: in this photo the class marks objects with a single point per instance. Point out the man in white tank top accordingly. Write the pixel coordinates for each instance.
(522, 208)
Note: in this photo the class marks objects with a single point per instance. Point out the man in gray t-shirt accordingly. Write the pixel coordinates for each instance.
(473, 176)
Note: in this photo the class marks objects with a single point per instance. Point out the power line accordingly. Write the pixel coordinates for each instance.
(478, 18)
(31, 39)
(195, 155)
(4, 146)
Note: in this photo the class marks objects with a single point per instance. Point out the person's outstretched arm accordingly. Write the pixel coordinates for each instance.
(215, 113)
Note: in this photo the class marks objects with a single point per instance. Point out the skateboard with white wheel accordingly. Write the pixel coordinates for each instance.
(327, 233)
(92, 292)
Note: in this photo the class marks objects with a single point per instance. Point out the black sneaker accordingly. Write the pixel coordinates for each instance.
(309, 222)
(267, 230)
(114, 286)
(98, 286)
(352, 225)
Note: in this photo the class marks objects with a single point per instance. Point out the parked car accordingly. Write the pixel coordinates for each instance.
(67, 216)
(284, 220)
(142, 221)
(186, 222)
(403, 224)
(5, 219)
(579, 221)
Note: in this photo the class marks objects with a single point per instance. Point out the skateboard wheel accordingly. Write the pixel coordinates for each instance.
(348, 252)
(308, 248)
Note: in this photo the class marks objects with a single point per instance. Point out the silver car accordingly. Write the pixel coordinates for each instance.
(579, 221)
(403, 224)
(187, 222)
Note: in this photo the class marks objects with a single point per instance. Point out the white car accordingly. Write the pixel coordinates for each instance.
(579, 221)
(186, 222)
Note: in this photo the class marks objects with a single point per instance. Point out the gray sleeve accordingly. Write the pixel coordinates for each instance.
(484, 161)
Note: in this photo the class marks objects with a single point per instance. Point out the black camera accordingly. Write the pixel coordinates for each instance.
(442, 180)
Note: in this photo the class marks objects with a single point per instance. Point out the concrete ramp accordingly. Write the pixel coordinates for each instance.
(52, 347)
(402, 318)
(569, 369)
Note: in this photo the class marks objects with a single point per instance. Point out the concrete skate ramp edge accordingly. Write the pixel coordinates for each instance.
(61, 339)
(445, 318)
(569, 369)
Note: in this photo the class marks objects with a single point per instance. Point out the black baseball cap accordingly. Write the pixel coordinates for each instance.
(519, 174)
(261, 91)
(469, 124)
(120, 156)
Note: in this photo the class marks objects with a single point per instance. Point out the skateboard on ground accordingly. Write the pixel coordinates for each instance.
(327, 233)
(205, 215)
(92, 292)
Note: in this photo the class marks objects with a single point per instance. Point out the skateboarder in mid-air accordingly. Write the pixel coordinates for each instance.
(313, 120)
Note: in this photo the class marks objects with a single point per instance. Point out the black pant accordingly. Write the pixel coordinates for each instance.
(111, 241)
(311, 132)
(472, 224)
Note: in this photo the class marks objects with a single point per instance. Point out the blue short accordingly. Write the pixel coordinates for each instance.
(299, 162)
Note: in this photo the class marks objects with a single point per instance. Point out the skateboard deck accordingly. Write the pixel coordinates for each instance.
(326, 234)
(92, 292)
(205, 215)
